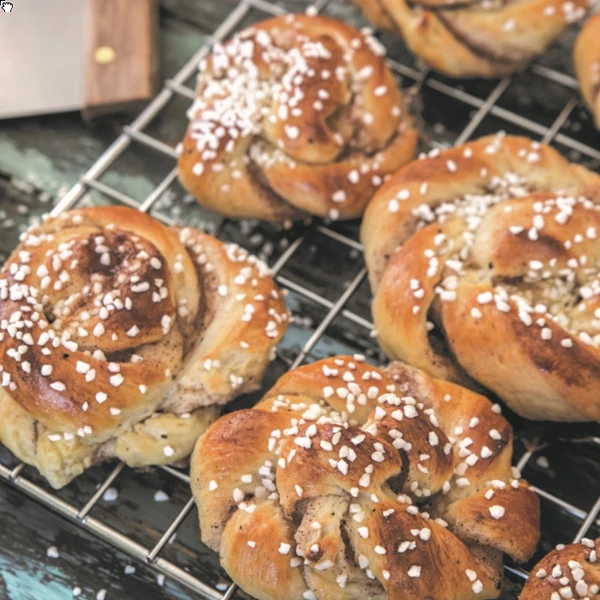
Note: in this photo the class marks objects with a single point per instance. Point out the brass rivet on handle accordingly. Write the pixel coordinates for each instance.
(104, 55)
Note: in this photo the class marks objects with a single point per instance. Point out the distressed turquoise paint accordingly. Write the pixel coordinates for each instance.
(31, 165)
(47, 583)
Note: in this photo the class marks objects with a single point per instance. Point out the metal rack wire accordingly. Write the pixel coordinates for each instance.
(482, 107)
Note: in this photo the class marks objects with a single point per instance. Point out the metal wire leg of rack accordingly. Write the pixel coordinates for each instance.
(482, 107)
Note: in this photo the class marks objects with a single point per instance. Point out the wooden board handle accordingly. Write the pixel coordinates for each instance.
(121, 63)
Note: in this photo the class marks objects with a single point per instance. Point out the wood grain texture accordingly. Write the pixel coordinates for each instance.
(84, 561)
(121, 64)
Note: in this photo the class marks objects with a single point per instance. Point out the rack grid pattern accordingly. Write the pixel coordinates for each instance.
(481, 107)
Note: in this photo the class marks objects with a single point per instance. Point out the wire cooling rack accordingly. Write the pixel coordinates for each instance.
(321, 266)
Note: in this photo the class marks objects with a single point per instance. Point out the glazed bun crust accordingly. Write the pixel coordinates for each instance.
(571, 571)
(473, 40)
(295, 116)
(484, 261)
(121, 337)
(350, 481)
(586, 57)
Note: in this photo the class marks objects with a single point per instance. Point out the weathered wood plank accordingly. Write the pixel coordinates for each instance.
(84, 561)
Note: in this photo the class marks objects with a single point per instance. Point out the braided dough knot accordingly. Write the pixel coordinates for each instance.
(294, 115)
(120, 337)
(349, 481)
(476, 38)
(484, 259)
(571, 571)
(586, 56)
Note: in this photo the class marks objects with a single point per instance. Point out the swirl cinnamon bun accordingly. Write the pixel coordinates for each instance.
(120, 337)
(586, 56)
(485, 266)
(348, 481)
(295, 116)
(475, 38)
(570, 571)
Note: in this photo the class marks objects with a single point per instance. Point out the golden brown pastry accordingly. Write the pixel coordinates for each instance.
(569, 571)
(485, 38)
(484, 262)
(347, 481)
(296, 115)
(587, 65)
(120, 337)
